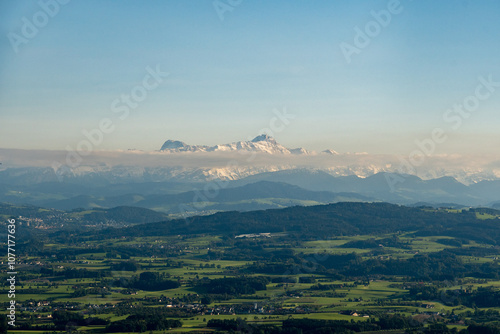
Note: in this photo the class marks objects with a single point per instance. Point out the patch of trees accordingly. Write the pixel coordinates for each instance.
(126, 214)
(483, 316)
(440, 328)
(385, 322)
(483, 329)
(251, 252)
(125, 266)
(343, 263)
(62, 319)
(148, 281)
(443, 265)
(475, 251)
(32, 246)
(482, 297)
(233, 285)
(282, 268)
(226, 324)
(3, 323)
(145, 322)
(307, 279)
(451, 242)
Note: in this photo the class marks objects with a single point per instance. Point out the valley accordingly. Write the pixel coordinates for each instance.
(383, 266)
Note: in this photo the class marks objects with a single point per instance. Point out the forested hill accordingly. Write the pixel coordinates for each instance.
(333, 220)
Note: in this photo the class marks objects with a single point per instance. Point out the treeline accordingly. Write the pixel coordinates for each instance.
(148, 281)
(35, 247)
(69, 273)
(375, 243)
(443, 265)
(482, 316)
(125, 266)
(386, 322)
(314, 326)
(27, 211)
(141, 323)
(233, 285)
(482, 297)
(62, 318)
(126, 214)
(251, 251)
(325, 221)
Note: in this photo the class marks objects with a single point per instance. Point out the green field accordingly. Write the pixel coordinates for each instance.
(265, 279)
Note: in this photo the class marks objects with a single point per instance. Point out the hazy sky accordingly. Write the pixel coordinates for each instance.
(231, 67)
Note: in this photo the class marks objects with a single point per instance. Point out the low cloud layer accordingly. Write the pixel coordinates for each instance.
(458, 166)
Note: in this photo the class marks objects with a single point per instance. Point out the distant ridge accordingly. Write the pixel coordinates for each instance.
(254, 196)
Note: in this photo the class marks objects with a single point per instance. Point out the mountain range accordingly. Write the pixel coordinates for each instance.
(262, 191)
(201, 179)
(262, 143)
(179, 162)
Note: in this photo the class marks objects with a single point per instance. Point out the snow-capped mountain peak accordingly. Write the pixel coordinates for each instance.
(264, 137)
(173, 144)
(332, 152)
(262, 143)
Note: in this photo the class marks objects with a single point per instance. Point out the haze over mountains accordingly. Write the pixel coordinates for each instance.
(178, 161)
(261, 191)
(242, 176)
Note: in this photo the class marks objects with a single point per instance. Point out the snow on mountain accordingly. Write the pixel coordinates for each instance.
(300, 150)
(332, 152)
(262, 143)
(264, 137)
(173, 144)
(171, 164)
(179, 146)
(198, 172)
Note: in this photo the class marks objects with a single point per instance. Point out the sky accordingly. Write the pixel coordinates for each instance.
(358, 76)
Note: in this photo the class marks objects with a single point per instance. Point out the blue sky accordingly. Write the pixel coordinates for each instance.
(227, 76)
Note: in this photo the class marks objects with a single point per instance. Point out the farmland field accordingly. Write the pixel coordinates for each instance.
(207, 281)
